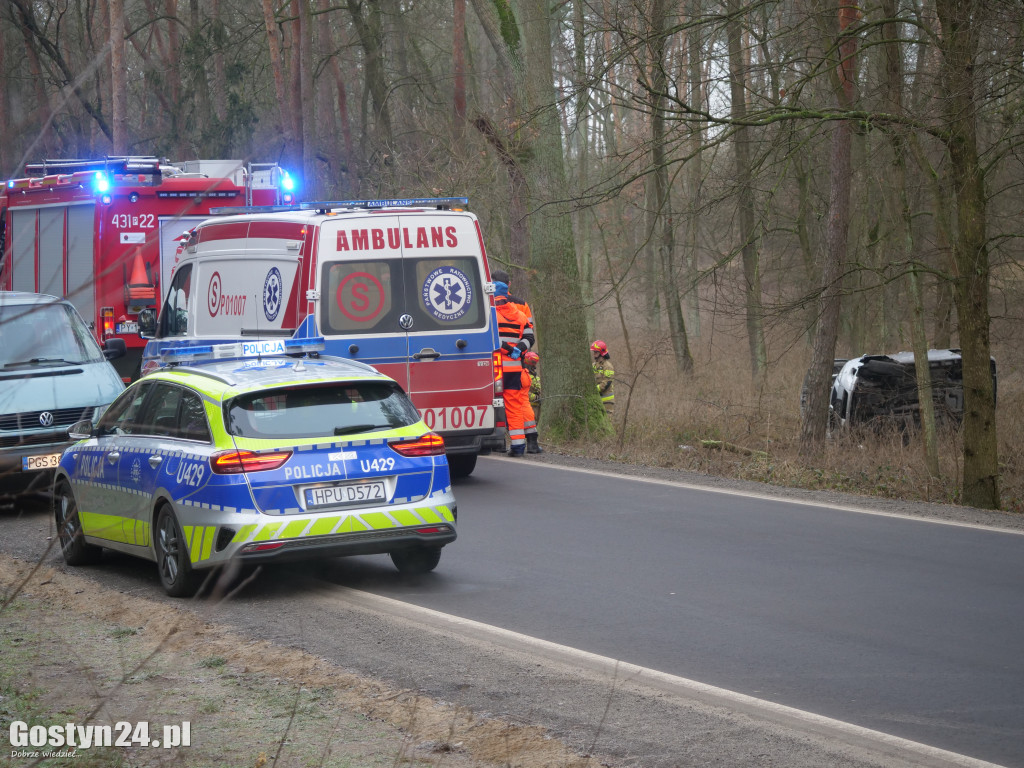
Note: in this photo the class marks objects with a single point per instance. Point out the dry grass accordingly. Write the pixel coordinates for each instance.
(667, 420)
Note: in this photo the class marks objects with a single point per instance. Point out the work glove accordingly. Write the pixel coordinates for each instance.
(508, 347)
(516, 353)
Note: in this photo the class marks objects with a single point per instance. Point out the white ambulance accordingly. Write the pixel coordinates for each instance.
(402, 285)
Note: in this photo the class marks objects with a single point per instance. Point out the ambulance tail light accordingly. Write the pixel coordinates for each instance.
(499, 387)
(107, 321)
(238, 461)
(430, 444)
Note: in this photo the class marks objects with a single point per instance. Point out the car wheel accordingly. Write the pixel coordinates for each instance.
(416, 559)
(462, 464)
(73, 546)
(176, 575)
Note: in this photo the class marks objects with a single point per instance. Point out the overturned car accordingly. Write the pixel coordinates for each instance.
(881, 390)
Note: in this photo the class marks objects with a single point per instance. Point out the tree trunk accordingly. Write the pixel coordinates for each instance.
(902, 218)
(277, 68)
(745, 198)
(696, 173)
(815, 420)
(522, 40)
(220, 77)
(581, 144)
(958, 44)
(294, 44)
(662, 231)
(459, 66)
(370, 30)
(119, 79)
(311, 179)
(559, 304)
(506, 42)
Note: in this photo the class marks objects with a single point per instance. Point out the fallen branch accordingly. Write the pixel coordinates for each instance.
(721, 445)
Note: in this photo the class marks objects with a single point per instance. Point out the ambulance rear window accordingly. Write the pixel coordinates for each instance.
(439, 294)
(320, 410)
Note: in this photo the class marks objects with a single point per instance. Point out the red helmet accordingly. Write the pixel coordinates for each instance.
(599, 346)
(531, 357)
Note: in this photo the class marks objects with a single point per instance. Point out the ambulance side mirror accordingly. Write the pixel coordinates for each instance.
(147, 323)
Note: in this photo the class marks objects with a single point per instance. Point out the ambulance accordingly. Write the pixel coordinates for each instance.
(401, 285)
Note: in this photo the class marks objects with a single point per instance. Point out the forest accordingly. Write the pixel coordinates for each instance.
(731, 194)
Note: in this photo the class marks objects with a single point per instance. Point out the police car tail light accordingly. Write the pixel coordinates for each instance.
(234, 462)
(430, 444)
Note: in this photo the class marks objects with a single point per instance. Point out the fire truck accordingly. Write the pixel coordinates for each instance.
(103, 233)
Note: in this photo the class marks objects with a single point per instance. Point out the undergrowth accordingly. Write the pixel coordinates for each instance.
(712, 421)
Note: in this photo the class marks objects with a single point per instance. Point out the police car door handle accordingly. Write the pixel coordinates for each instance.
(426, 353)
(156, 461)
(113, 456)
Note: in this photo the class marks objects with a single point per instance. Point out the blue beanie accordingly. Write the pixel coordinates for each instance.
(500, 288)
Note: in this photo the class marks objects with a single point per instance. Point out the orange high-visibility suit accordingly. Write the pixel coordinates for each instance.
(516, 334)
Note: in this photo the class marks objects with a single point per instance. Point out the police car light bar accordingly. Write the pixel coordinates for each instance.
(242, 349)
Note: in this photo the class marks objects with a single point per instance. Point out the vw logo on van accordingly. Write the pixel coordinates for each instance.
(405, 321)
(46, 419)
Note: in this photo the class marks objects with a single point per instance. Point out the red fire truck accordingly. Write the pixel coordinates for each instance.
(103, 232)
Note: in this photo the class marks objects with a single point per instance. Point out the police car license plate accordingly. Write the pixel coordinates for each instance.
(326, 496)
(48, 461)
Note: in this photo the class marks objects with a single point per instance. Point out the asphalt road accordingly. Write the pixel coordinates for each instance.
(908, 627)
(895, 624)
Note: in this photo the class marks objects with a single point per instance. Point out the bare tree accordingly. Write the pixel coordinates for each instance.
(823, 352)
(962, 21)
(745, 195)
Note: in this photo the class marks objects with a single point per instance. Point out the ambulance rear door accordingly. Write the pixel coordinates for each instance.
(404, 292)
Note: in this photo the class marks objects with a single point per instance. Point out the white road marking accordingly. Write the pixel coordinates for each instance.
(604, 668)
(769, 497)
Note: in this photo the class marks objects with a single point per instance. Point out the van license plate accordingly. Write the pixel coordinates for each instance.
(345, 494)
(49, 461)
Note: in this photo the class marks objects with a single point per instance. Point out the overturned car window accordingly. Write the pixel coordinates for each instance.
(326, 410)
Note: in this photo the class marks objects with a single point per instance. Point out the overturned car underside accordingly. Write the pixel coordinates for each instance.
(882, 389)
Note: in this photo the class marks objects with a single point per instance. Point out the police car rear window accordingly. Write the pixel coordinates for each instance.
(321, 410)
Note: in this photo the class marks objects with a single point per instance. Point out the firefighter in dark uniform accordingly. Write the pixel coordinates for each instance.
(531, 383)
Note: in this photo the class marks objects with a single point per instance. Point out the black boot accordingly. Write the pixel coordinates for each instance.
(532, 444)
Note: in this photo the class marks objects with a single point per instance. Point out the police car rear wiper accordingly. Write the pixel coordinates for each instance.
(36, 360)
(359, 428)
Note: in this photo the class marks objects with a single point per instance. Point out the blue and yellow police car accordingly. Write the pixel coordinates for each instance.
(259, 451)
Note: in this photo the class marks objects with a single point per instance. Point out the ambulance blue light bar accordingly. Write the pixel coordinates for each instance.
(411, 202)
(441, 203)
(242, 349)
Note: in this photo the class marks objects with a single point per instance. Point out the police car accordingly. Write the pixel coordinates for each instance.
(255, 452)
